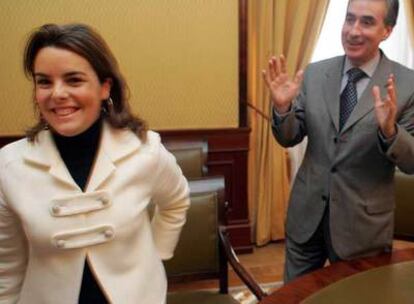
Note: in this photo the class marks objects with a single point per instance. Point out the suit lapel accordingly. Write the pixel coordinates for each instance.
(332, 87)
(366, 101)
(115, 145)
(101, 171)
(44, 154)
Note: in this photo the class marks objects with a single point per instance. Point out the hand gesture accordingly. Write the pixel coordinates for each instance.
(282, 89)
(386, 109)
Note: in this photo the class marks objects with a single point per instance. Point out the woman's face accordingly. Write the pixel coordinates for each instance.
(67, 90)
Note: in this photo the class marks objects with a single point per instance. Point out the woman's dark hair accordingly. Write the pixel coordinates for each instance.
(87, 43)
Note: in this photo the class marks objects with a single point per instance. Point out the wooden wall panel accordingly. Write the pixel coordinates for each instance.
(227, 155)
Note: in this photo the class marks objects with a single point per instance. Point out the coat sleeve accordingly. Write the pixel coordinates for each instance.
(401, 151)
(171, 198)
(13, 253)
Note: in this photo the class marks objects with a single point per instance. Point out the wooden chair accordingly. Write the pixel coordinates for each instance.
(404, 206)
(191, 156)
(204, 248)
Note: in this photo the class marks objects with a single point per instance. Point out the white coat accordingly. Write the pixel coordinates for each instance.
(48, 226)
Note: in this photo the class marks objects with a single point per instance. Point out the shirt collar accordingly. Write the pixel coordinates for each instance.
(368, 67)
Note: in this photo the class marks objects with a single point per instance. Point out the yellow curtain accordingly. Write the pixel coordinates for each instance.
(290, 27)
(409, 8)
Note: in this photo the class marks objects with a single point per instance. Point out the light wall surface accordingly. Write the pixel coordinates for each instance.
(180, 57)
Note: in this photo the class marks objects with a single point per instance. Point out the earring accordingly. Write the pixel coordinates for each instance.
(107, 106)
(43, 123)
(110, 102)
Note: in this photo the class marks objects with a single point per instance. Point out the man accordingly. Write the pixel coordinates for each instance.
(342, 200)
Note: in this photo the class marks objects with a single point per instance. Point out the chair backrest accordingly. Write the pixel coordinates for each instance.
(404, 206)
(198, 254)
(191, 156)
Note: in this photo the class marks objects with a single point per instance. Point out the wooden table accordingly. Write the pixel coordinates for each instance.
(302, 287)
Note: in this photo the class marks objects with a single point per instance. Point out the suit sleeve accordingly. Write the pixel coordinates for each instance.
(289, 129)
(171, 198)
(401, 151)
(13, 253)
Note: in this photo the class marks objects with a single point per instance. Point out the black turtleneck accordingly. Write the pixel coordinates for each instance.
(78, 153)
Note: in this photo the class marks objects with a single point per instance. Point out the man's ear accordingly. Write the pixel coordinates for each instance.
(387, 32)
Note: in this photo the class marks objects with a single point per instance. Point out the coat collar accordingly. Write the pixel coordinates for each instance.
(115, 145)
(332, 87)
(366, 101)
(333, 76)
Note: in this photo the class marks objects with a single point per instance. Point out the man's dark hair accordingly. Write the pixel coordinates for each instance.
(392, 12)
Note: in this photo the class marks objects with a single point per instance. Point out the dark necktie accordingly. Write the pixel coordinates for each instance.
(349, 96)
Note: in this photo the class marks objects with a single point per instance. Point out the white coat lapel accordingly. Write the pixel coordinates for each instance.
(332, 87)
(44, 154)
(115, 145)
(366, 101)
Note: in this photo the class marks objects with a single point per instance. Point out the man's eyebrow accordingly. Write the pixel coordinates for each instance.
(368, 18)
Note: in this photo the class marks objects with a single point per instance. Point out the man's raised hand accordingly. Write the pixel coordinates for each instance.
(282, 89)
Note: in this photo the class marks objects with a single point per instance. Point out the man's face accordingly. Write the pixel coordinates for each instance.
(364, 29)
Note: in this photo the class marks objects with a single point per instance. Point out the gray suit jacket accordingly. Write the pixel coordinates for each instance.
(348, 168)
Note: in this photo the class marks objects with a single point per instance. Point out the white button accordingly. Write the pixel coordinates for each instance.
(109, 233)
(56, 209)
(60, 243)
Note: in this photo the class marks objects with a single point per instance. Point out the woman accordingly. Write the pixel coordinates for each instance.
(74, 193)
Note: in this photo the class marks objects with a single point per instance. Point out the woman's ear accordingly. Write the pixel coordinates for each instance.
(106, 88)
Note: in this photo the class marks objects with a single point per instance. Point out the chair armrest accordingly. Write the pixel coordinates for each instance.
(212, 184)
(191, 156)
(243, 274)
(404, 207)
